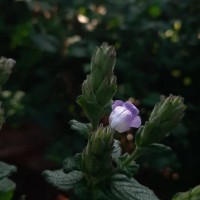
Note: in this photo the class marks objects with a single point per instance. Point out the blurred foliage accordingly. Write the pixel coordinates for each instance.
(157, 44)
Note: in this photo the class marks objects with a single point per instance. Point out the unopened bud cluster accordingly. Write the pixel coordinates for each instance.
(96, 158)
(100, 85)
(164, 117)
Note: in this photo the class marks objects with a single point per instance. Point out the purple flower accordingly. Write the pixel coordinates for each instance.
(124, 116)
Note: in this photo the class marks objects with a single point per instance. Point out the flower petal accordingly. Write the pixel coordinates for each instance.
(136, 122)
(131, 107)
(117, 103)
(120, 119)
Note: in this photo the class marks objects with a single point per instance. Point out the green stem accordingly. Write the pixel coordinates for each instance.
(137, 153)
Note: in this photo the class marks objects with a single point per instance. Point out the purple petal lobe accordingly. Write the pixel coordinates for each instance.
(117, 103)
(131, 107)
(136, 122)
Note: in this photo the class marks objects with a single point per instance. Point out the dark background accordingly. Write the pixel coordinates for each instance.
(52, 41)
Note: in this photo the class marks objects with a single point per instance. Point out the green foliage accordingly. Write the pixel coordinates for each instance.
(6, 170)
(157, 43)
(72, 163)
(123, 187)
(117, 150)
(192, 194)
(61, 180)
(130, 170)
(102, 163)
(82, 128)
(7, 186)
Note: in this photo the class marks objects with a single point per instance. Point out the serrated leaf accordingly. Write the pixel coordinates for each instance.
(62, 180)
(117, 151)
(192, 194)
(82, 128)
(71, 163)
(124, 188)
(6, 170)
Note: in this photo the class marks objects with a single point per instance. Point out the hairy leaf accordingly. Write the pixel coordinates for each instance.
(123, 188)
(192, 194)
(6, 170)
(117, 151)
(93, 111)
(7, 188)
(82, 128)
(71, 163)
(62, 180)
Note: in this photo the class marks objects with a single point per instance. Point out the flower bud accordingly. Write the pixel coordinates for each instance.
(124, 116)
(96, 158)
(100, 85)
(164, 117)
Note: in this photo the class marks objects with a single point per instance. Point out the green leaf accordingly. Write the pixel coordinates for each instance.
(61, 180)
(93, 111)
(106, 91)
(6, 185)
(7, 188)
(6, 170)
(192, 194)
(117, 151)
(83, 193)
(124, 188)
(82, 128)
(131, 169)
(153, 148)
(72, 163)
